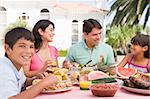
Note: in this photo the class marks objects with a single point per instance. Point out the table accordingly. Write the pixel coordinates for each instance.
(76, 93)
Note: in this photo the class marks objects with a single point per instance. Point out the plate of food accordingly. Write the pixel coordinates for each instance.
(139, 83)
(136, 90)
(75, 83)
(57, 90)
(62, 86)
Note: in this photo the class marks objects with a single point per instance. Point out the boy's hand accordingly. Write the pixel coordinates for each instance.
(50, 80)
(42, 75)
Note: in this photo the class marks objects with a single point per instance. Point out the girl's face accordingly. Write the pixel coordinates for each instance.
(48, 34)
(21, 52)
(137, 49)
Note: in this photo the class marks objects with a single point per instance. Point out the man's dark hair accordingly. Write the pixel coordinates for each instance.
(89, 24)
(17, 33)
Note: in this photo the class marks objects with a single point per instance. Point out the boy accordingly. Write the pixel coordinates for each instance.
(19, 48)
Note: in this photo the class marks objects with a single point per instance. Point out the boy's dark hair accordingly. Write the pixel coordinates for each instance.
(142, 40)
(89, 24)
(17, 33)
(41, 24)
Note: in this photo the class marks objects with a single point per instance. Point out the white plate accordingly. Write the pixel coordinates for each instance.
(136, 90)
(75, 83)
(56, 91)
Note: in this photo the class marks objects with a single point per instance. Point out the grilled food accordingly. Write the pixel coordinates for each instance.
(140, 80)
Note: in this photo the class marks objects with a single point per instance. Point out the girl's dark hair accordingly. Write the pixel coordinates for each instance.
(41, 24)
(17, 33)
(142, 40)
(89, 24)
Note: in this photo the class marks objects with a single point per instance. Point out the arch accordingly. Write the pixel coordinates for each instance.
(44, 10)
(3, 15)
(24, 16)
(74, 21)
(2, 8)
(23, 13)
(44, 14)
(75, 32)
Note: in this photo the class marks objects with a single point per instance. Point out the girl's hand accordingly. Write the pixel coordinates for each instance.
(148, 68)
(112, 71)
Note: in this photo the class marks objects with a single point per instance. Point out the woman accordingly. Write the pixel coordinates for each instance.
(45, 55)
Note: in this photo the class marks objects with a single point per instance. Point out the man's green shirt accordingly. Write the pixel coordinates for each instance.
(81, 54)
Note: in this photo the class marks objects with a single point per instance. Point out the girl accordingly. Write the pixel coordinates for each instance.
(45, 55)
(140, 54)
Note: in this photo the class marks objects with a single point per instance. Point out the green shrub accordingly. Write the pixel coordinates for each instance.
(18, 23)
(120, 36)
(62, 53)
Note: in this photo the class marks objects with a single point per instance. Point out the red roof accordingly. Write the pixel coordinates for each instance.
(78, 7)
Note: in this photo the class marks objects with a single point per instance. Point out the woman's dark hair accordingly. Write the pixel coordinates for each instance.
(142, 40)
(41, 24)
(89, 24)
(17, 33)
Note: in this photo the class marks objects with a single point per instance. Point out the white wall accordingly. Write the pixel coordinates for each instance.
(62, 20)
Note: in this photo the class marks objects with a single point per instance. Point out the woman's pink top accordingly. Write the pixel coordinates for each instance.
(143, 69)
(37, 63)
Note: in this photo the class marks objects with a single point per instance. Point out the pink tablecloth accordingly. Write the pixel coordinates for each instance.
(76, 93)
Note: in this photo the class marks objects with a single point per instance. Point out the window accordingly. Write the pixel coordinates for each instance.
(3, 16)
(75, 32)
(44, 14)
(24, 17)
(3, 23)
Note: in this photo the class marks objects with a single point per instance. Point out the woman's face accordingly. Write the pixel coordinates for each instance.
(48, 34)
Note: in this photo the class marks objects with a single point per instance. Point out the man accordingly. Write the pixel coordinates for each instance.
(91, 51)
(19, 48)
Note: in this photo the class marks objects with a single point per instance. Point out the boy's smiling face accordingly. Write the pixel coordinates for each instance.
(21, 52)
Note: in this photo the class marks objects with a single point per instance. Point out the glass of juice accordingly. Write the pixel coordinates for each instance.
(83, 78)
(84, 85)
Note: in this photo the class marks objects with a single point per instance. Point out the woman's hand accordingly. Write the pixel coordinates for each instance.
(46, 65)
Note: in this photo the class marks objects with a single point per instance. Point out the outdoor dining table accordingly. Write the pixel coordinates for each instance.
(76, 93)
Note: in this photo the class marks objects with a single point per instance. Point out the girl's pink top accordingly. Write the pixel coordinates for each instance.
(37, 63)
(138, 67)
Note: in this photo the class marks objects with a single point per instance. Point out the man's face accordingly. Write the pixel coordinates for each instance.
(21, 52)
(93, 38)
